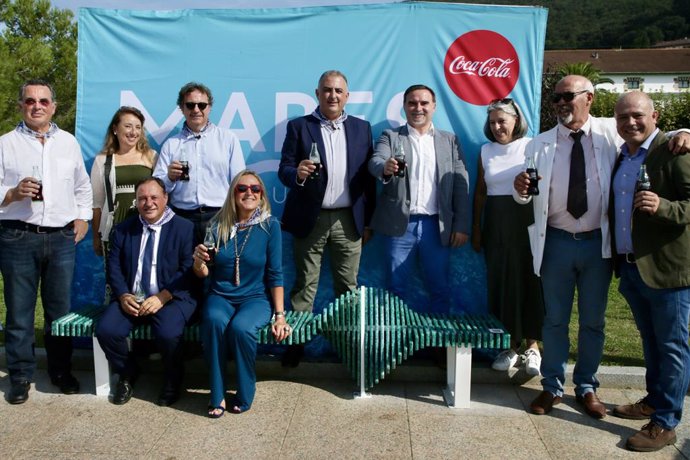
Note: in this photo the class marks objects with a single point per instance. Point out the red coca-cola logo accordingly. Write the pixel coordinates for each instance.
(481, 66)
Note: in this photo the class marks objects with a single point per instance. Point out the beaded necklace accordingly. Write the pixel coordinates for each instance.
(238, 254)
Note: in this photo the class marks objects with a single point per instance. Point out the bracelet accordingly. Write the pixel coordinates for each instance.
(279, 313)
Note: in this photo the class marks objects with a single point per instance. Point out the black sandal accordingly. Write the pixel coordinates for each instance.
(212, 414)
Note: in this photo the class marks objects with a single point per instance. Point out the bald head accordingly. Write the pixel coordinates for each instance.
(635, 118)
(572, 100)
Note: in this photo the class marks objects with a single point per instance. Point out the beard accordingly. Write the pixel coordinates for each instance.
(565, 119)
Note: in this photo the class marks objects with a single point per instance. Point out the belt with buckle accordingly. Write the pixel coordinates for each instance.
(577, 236)
(627, 258)
(27, 227)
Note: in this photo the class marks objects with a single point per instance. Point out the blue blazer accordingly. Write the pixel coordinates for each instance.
(303, 202)
(173, 270)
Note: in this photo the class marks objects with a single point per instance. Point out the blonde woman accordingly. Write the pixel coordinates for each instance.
(246, 281)
(127, 159)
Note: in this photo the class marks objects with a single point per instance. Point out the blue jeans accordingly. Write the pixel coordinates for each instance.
(662, 318)
(232, 326)
(26, 258)
(569, 263)
(421, 241)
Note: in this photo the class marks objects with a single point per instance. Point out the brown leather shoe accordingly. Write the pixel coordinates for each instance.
(593, 406)
(638, 411)
(650, 438)
(543, 403)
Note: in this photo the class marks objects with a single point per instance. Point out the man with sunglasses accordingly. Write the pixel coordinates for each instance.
(41, 221)
(570, 237)
(213, 156)
(332, 209)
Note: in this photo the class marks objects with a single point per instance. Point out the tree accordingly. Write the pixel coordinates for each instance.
(586, 69)
(37, 41)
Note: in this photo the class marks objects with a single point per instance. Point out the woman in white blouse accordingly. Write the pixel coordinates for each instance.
(514, 292)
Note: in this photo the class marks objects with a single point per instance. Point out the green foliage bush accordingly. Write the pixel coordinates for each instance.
(673, 108)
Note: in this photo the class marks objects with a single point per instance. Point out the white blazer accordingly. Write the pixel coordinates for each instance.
(543, 148)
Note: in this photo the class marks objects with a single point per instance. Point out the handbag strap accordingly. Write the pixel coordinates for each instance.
(108, 189)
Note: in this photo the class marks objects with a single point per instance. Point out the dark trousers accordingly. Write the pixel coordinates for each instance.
(167, 325)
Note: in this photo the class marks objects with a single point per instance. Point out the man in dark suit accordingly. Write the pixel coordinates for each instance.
(149, 272)
(330, 201)
(651, 248)
(426, 210)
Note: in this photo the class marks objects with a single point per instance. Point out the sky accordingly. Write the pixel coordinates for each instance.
(74, 5)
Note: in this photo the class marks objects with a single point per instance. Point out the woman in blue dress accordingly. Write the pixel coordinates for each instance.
(245, 289)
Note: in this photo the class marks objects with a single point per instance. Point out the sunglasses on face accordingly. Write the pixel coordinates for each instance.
(505, 100)
(242, 188)
(31, 101)
(567, 96)
(191, 105)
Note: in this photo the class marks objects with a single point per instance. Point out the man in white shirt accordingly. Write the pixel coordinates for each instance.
(425, 211)
(45, 209)
(212, 155)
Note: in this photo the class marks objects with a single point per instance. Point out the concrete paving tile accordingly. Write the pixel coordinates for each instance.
(257, 433)
(474, 437)
(329, 423)
(488, 400)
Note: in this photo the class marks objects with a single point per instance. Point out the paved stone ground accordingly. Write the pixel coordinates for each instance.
(318, 418)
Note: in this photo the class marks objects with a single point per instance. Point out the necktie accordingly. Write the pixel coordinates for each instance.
(147, 263)
(577, 187)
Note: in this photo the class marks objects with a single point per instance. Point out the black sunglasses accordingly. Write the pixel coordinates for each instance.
(242, 188)
(505, 100)
(191, 105)
(567, 96)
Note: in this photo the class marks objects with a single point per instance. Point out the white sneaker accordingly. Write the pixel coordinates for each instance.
(532, 360)
(505, 360)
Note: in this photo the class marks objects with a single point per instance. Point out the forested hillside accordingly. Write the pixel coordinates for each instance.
(609, 23)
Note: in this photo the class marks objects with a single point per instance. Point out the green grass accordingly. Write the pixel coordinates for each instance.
(622, 346)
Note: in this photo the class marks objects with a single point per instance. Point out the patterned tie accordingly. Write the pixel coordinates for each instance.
(577, 187)
(147, 263)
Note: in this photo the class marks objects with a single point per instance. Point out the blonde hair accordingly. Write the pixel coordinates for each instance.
(112, 145)
(227, 216)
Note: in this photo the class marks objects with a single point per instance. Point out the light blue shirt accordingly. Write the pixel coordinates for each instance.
(215, 157)
(624, 183)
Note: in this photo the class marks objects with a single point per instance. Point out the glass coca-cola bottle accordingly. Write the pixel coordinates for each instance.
(643, 183)
(315, 158)
(533, 174)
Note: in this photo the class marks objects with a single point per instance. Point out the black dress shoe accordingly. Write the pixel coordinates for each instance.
(168, 395)
(292, 356)
(19, 392)
(67, 383)
(123, 391)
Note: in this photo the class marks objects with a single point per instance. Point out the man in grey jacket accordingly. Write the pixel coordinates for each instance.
(424, 208)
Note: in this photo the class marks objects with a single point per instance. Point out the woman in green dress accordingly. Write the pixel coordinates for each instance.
(128, 158)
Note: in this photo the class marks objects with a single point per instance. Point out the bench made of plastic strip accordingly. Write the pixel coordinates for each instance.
(82, 323)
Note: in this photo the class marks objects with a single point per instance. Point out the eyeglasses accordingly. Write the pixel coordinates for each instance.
(567, 96)
(31, 101)
(242, 188)
(191, 105)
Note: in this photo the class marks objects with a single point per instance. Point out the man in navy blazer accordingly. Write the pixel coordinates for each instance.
(329, 203)
(149, 268)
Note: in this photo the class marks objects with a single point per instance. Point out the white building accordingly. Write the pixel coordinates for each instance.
(649, 70)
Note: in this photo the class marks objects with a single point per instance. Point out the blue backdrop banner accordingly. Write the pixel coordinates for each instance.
(263, 65)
